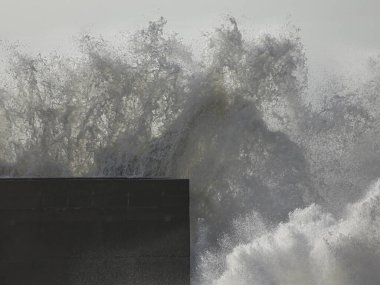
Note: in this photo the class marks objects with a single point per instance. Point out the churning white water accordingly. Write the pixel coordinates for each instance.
(283, 176)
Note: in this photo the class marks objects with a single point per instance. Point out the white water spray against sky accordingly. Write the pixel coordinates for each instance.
(283, 163)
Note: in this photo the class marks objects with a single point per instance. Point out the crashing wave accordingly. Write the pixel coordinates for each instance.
(313, 247)
(238, 123)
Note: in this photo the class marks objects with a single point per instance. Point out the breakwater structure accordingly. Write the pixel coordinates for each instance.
(63, 231)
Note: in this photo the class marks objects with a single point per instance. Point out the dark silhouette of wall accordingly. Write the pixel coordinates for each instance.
(90, 231)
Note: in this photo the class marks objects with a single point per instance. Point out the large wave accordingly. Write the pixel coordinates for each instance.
(276, 168)
(313, 247)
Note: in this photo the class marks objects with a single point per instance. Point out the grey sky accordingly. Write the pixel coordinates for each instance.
(325, 24)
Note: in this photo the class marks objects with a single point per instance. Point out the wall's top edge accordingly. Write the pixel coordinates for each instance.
(94, 178)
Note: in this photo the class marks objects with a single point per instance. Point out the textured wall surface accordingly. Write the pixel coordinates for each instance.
(94, 231)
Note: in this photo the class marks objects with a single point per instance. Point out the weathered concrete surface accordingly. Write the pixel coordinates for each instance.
(94, 231)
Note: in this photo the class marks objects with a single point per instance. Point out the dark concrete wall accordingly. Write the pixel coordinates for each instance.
(94, 231)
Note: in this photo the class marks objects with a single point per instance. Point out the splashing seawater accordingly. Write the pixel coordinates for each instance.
(313, 247)
(278, 171)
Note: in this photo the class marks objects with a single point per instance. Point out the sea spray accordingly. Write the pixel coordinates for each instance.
(312, 247)
(273, 178)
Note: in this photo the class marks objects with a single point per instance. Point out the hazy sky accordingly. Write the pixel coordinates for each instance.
(325, 24)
